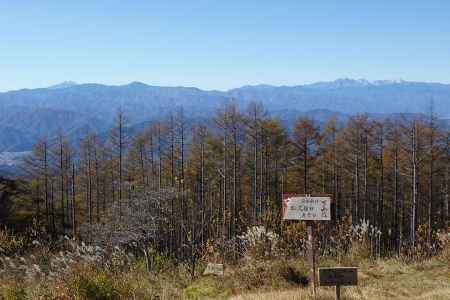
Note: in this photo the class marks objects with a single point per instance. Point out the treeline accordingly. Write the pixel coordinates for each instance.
(230, 173)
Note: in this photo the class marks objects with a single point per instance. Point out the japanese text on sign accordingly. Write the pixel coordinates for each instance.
(307, 208)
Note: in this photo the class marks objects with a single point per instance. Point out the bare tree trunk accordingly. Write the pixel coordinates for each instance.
(446, 223)
(396, 231)
(305, 166)
(89, 184)
(52, 200)
(73, 206)
(381, 191)
(61, 173)
(152, 162)
(142, 150)
(113, 183)
(159, 159)
(182, 177)
(97, 183)
(261, 176)
(356, 190)
(255, 170)
(47, 206)
(67, 166)
(234, 208)
(120, 159)
(37, 199)
(335, 177)
(414, 183)
(202, 185)
(366, 167)
(172, 151)
(430, 180)
(224, 186)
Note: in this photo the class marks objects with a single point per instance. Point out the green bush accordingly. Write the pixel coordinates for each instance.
(13, 292)
(203, 288)
(98, 285)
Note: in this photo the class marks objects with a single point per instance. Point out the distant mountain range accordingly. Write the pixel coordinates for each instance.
(74, 109)
(62, 85)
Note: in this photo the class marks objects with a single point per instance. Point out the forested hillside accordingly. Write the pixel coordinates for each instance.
(192, 182)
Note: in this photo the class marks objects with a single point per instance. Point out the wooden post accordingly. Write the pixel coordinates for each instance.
(311, 255)
(338, 292)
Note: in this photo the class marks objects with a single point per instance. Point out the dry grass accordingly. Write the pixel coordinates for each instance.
(384, 279)
(390, 279)
(250, 279)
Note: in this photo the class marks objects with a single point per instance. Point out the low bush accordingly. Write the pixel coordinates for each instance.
(445, 251)
(10, 243)
(294, 276)
(428, 243)
(205, 287)
(270, 274)
(294, 239)
(259, 242)
(93, 284)
(13, 291)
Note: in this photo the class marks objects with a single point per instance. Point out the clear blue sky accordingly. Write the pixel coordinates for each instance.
(221, 44)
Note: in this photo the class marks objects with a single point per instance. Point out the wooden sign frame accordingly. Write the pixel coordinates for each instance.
(310, 224)
(337, 277)
(289, 196)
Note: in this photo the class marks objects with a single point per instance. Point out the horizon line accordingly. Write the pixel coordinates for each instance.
(361, 80)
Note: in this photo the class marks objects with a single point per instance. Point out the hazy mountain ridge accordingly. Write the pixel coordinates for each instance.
(74, 109)
(355, 96)
(62, 85)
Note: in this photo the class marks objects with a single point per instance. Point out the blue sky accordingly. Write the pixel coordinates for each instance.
(221, 44)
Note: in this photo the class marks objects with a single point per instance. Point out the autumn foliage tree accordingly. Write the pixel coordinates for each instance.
(210, 180)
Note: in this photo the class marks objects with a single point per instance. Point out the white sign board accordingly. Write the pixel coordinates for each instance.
(307, 208)
(213, 269)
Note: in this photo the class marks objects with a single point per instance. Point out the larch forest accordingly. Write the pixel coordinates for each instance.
(177, 185)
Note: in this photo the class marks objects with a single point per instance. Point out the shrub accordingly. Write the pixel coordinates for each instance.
(203, 288)
(292, 275)
(259, 242)
(94, 284)
(270, 274)
(13, 291)
(219, 250)
(10, 243)
(426, 247)
(294, 239)
(254, 276)
(445, 242)
(161, 262)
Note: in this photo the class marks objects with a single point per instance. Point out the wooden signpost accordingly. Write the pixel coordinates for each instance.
(311, 209)
(338, 276)
(308, 208)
